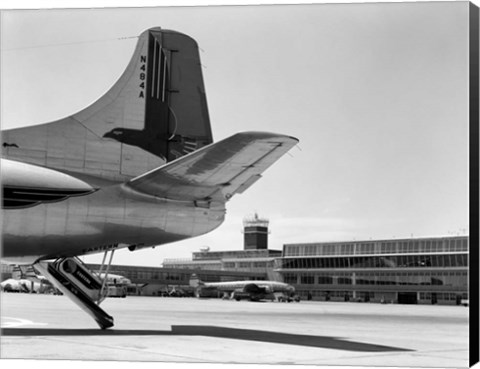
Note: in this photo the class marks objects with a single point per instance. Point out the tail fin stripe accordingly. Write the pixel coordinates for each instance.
(159, 69)
(154, 62)
(164, 75)
(160, 80)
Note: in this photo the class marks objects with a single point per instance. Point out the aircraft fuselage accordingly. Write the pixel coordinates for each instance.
(113, 216)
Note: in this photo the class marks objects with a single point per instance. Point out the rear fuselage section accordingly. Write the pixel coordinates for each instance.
(111, 216)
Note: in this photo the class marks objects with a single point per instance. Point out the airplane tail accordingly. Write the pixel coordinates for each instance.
(156, 112)
(195, 282)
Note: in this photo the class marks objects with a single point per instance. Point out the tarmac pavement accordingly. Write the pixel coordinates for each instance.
(189, 330)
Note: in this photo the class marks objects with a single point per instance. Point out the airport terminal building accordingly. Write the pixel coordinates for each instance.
(430, 270)
(416, 270)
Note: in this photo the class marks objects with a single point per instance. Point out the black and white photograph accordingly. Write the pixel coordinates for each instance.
(269, 184)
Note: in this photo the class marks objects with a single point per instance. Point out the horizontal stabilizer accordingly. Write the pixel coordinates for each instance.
(217, 171)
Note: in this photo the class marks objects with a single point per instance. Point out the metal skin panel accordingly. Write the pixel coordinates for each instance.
(217, 171)
(95, 222)
(136, 160)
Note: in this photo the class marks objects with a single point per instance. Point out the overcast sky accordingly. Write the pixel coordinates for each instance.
(377, 94)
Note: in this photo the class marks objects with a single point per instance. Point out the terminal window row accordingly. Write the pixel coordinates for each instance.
(376, 295)
(400, 261)
(432, 278)
(379, 247)
(192, 265)
(218, 255)
(441, 296)
(316, 294)
(134, 275)
(246, 264)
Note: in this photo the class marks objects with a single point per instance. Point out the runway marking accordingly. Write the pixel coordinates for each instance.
(9, 322)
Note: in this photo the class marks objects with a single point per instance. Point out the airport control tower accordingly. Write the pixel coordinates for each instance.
(255, 232)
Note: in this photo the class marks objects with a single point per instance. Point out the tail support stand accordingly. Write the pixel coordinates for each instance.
(104, 289)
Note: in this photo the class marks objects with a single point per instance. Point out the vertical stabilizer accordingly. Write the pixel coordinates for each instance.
(156, 112)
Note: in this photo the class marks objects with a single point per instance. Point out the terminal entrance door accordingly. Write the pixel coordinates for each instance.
(407, 297)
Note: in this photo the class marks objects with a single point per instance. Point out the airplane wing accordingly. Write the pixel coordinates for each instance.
(216, 171)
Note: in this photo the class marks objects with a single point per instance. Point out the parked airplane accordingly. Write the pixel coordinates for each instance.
(19, 285)
(41, 285)
(135, 169)
(238, 290)
(115, 284)
(115, 279)
(28, 280)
